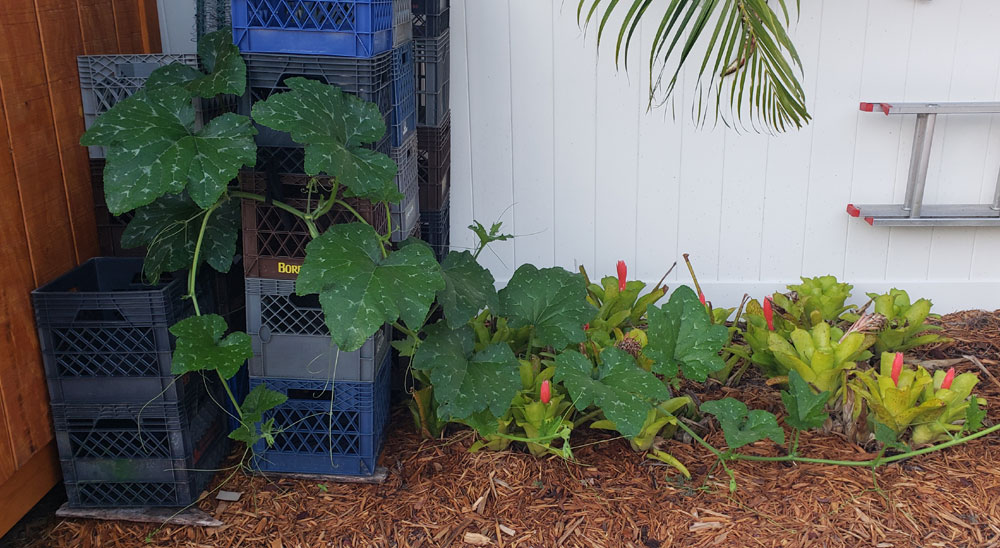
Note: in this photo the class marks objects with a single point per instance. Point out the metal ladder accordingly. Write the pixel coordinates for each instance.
(913, 212)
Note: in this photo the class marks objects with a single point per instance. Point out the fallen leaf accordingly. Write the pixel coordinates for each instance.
(476, 539)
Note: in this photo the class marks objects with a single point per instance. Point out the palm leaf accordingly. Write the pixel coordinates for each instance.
(750, 64)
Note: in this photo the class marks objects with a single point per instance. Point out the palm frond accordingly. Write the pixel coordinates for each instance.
(749, 61)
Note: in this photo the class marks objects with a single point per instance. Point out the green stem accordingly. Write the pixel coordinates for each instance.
(280, 205)
(232, 397)
(700, 440)
(193, 274)
(381, 241)
(587, 417)
(406, 330)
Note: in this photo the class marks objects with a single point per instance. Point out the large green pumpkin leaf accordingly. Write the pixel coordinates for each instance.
(200, 346)
(227, 73)
(468, 288)
(681, 334)
(169, 228)
(260, 400)
(467, 382)
(333, 125)
(552, 300)
(360, 290)
(618, 386)
(153, 150)
(742, 427)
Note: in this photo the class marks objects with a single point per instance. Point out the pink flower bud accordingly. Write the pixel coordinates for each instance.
(701, 297)
(622, 271)
(897, 368)
(586, 327)
(545, 394)
(949, 376)
(769, 313)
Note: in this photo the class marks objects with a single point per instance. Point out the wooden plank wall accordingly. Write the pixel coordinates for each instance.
(550, 138)
(46, 206)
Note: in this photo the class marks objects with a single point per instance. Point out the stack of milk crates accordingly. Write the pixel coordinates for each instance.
(338, 402)
(128, 432)
(433, 49)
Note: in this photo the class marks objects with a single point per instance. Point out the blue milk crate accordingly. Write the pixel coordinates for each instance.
(334, 428)
(104, 334)
(345, 28)
(404, 100)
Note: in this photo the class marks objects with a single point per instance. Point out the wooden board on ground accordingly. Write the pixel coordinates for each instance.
(166, 516)
(378, 477)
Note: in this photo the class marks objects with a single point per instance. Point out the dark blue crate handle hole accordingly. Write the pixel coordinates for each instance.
(302, 394)
(99, 315)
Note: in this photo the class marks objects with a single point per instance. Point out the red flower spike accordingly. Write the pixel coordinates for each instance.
(622, 271)
(545, 393)
(897, 368)
(769, 313)
(949, 376)
(701, 297)
(586, 327)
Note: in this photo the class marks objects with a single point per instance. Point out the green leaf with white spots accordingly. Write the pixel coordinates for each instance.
(259, 401)
(168, 228)
(360, 290)
(741, 426)
(618, 386)
(201, 346)
(333, 125)
(551, 300)
(153, 149)
(468, 288)
(467, 382)
(227, 73)
(806, 410)
(681, 334)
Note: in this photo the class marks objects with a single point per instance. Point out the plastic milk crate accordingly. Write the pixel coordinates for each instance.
(433, 63)
(291, 341)
(406, 214)
(435, 229)
(107, 79)
(344, 28)
(105, 336)
(327, 427)
(274, 241)
(430, 18)
(434, 165)
(369, 79)
(138, 454)
(404, 103)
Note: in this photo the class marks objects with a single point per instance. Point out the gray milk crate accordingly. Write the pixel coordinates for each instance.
(290, 339)
(406, 214)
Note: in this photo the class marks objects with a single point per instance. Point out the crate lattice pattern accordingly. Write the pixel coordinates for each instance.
(106, 352)
(323, 15)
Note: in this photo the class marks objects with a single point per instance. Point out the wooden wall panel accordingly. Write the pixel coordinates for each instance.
(46, 215)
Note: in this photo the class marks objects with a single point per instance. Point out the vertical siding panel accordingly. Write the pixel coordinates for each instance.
(532, 97)
(928, 79)
(618, 94)
(788, 155)
(97, 20)
(740, 231)
(462, 185)
(129, 25)
(575, 149)
(965, 140)
(659, 166)
(490, 117)
(877, 149)
(834, 132)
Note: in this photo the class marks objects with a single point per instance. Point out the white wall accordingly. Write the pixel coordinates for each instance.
(177, 26)
(550, 139)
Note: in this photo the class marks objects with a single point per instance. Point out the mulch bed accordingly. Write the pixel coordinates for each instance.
(437, 492)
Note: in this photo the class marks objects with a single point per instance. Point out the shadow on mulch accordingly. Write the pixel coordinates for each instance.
(437, 492)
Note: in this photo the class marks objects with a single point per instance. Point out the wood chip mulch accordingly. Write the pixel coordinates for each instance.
(439, 495)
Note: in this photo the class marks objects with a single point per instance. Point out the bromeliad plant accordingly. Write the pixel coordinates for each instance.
(906, 326)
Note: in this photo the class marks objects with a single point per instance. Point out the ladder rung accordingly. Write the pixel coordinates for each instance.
(986, 107)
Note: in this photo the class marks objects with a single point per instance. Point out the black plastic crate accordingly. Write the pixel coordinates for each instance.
(435, 229)
(291, 341)
(433, 64)
(402, 22)
(404, 105)
(327, 428)
(434, 165)
(274, 241)
(430, 17)
(405, 214)
(369, 79)
(104, 334)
